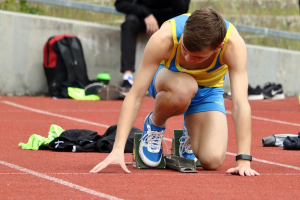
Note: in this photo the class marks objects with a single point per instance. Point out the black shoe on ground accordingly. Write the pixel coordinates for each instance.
(273, 91)
(126, 84)
(227, 95)
(92, 88)
(255, 93)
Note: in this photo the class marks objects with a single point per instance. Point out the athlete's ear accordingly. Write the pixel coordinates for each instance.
(219, 47)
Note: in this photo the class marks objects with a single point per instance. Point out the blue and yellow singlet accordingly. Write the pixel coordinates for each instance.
(212, 76)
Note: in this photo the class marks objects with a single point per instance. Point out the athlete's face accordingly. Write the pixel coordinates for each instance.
(200, 56)
(195, 57)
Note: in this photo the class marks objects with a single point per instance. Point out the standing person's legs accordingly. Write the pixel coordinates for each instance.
(208, 136)
(129, 32)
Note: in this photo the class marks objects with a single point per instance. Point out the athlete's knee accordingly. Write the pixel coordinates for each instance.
(212, 162)
(181, 96)
(184, 90)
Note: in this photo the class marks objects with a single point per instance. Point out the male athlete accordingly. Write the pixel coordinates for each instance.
(183, 68)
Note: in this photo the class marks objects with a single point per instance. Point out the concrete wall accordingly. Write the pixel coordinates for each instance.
(22, 37)
(267, 64)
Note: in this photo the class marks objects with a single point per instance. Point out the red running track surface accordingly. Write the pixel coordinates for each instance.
(28, 174)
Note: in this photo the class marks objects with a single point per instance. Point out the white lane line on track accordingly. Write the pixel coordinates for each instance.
(54, 114)
(167, 139)
(60, 181)
(106, 126)
(271, 120)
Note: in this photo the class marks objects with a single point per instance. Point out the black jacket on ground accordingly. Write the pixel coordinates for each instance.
(83, 140)
(107, 140)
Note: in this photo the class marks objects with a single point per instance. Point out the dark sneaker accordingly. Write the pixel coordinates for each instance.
(92, 88)
(227, 95)
(150, 149)
(126, 84)
(273, 91)
(255, 93)
(111, 92)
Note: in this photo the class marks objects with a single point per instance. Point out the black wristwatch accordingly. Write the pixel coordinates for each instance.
(243, 157)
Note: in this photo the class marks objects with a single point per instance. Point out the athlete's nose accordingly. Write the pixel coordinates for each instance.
(189, 59)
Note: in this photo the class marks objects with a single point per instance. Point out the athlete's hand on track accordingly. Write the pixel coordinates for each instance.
(113, 158)
(242, 171)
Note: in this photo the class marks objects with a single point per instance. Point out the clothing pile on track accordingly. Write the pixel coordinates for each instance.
(78, 140)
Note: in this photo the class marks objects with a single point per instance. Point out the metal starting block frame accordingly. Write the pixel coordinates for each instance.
(175, 145)
(180, 164)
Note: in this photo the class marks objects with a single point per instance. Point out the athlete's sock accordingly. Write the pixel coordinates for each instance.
(151, 122)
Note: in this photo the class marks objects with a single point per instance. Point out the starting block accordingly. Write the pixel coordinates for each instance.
(170, 161)
(175, 144)
(180, 164)
(137, 161)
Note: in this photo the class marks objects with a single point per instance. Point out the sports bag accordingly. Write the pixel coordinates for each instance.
(64, 65)
(276, 140)
(292, 143)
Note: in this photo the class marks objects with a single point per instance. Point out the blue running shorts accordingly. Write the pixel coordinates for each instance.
(206, 99)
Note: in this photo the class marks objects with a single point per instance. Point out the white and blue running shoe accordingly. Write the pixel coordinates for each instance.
(150, 149)
(185, 149)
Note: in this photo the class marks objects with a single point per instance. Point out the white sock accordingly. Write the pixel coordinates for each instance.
(128, 77)
(151, 122)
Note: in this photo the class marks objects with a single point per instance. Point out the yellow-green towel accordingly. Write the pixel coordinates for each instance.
(79, 94)
(35, 141)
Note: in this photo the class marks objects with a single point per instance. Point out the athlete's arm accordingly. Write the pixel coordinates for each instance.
(157, 49)
(235, 56)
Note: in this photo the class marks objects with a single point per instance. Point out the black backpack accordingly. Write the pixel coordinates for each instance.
(64, 65)
(292, 143)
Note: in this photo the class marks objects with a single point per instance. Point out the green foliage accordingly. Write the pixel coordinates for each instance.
(7, 5)
(32, 10)
(20, 6)
(249, 7)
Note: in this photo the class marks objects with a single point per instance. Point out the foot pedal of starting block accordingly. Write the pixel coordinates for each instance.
(137, 161)
(180, 164)
(175, 145)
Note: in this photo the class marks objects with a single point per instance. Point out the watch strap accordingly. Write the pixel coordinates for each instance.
(243, 157)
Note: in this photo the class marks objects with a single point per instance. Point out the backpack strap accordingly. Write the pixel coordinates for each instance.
(80, 70)
(71, 51)
(64, 48)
